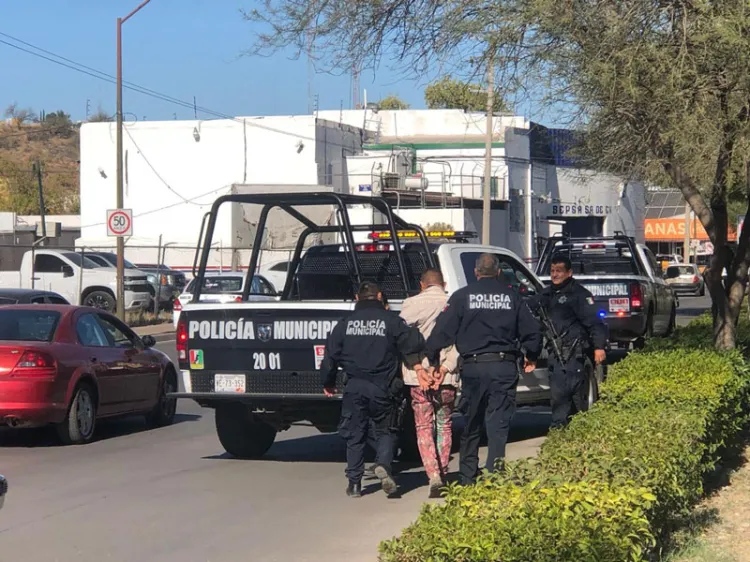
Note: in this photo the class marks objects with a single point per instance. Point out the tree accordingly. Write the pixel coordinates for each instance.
(19, 116)
(101, 116)
(449, 93)
(662, 89)
(392, 102)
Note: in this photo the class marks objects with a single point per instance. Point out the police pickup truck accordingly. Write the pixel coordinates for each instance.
(626, 282)
(257, 363)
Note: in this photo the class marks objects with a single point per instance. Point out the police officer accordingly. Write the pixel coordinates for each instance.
(488, 323)
(368, 346)
(571, 310)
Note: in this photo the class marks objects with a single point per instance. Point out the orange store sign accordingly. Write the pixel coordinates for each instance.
(673, 229)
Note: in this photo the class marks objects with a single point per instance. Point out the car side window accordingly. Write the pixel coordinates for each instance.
(90, 333)
(510, 271)
(37, 300)
(56, 300)
(117, 334)
(47, 263)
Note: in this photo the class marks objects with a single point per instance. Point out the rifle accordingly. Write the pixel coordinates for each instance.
(553, 337)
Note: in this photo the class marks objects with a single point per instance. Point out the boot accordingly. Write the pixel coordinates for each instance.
(386, 480)
(354, 490)
(436, 486)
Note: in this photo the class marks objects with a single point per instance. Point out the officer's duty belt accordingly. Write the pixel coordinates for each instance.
(488, 357)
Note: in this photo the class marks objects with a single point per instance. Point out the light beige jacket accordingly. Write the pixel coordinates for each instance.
(421, 311)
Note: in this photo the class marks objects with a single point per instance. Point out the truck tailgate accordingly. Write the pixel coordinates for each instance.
(262, 349)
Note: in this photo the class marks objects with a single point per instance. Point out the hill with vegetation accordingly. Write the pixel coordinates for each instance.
(50, 142)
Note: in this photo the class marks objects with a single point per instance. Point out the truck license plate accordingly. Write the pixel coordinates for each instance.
(616, 305)
(229, 383)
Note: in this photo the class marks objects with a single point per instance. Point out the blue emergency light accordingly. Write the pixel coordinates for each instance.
(602, 314)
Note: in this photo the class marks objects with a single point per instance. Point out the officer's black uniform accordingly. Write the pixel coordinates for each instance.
(367, 345)
(571, 309)
(486, 320)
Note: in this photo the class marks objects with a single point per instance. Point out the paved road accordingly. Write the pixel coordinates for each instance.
(172, 495)
(690, 307)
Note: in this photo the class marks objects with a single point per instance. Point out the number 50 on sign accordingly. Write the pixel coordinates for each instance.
(120, 222)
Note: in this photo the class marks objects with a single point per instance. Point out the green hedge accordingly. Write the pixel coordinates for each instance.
(604, 488)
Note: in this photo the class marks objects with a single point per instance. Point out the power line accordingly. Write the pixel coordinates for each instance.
(98, 74)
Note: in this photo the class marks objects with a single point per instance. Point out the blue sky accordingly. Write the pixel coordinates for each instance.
(182, 48)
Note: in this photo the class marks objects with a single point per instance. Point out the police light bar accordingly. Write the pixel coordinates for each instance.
(450, 234)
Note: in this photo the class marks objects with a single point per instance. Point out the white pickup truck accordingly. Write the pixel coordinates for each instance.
(77, 279)
(257, 363)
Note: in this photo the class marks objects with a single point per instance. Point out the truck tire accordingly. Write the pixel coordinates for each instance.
(593, 374)
(100, 299)
(672, 322)
(241, 433)
(407, 438)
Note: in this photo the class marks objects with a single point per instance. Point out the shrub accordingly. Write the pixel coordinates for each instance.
(497, 520)
(664, 417)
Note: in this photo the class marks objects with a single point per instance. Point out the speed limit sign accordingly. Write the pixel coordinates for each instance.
(120, 222)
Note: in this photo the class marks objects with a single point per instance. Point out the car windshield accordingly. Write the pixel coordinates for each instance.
(677, 270)
(84, 262)
(28, 325)
(111, 259)
(217, 285)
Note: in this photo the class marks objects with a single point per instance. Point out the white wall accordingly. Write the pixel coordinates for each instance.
(172, 179)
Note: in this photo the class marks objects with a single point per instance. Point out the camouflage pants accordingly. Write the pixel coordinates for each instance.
(432, 416)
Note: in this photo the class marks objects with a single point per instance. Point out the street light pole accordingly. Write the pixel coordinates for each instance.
(120, 203)
(488, 151)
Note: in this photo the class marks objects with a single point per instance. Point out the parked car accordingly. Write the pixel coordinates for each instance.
(167, 281)
(3, 489)
(225, 288)
(685, 278)
(77, 277)
(276, 273)
(70, 366)
(30, 296)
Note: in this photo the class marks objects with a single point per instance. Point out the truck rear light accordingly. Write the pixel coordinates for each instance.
(177, 305)
(237, 299)
(34, 364)
(636, 296)
(181, 337)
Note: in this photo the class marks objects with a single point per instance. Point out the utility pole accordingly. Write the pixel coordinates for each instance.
(120, 203)
(38, 170)
(488, 149)
(686, 249)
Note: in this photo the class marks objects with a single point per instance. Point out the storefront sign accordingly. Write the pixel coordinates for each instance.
(673, 230)
(563, 210)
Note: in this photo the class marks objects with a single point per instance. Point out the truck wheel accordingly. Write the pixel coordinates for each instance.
(101, 300)
(702, 292)
(672, 322)
(592, 382)
(241, 433)
(407, 439)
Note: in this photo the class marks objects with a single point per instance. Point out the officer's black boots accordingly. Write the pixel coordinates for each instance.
(386, 480)
(354, 490)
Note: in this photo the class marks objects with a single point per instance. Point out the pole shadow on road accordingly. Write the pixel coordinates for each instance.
(106, 429)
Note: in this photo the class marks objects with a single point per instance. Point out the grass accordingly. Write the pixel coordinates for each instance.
(143, 318)
(724, 534)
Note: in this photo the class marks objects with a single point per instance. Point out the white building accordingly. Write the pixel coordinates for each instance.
(428, 163)
(175, 170)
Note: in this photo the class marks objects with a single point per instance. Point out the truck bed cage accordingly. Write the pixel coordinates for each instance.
(561, 243)
(287, 202)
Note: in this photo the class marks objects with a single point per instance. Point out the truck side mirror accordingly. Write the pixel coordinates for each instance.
(67, 271)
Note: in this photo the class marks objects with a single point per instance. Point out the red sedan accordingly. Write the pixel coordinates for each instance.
(70, 366)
